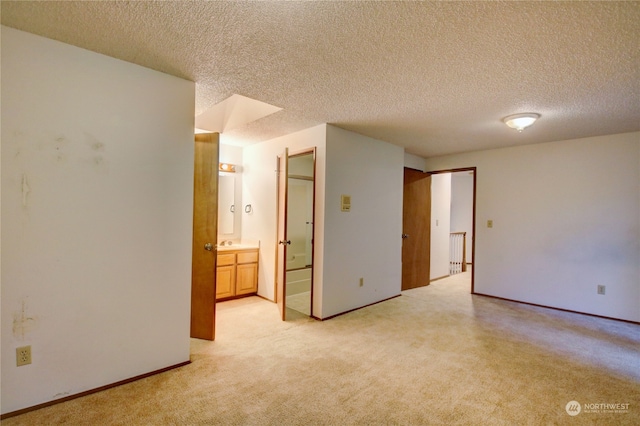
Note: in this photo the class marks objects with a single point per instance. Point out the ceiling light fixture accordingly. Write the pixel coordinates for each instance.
(521, 121)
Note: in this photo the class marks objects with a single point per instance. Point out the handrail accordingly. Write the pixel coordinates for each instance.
(463, 262)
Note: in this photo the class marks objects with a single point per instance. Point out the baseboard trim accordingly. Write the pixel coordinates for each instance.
(556, 309)
(439, 278)
(355, 309)
(262, 297)
(240, 296)
(91, 391)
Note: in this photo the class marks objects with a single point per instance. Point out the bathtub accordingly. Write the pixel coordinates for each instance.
(298, 281)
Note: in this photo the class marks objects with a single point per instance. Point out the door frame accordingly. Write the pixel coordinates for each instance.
(304, 151)
(282, 193)
(473, 225)
(311, 151)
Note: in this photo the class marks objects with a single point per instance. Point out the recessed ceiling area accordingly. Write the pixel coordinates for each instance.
(433, 77)
(232, 113)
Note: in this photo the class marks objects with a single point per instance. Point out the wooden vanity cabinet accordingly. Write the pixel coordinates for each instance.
(225, 275)
(236, 273)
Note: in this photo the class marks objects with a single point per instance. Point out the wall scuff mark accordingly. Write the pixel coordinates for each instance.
(98, 149)
(25, 190)
(22, 324)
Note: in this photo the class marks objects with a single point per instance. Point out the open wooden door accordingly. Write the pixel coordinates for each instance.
(416, 228)
(281, 262)
(205, 234)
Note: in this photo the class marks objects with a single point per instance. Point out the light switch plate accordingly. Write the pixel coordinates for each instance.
(345, 203)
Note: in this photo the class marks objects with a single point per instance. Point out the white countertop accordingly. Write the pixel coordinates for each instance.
(238, 247)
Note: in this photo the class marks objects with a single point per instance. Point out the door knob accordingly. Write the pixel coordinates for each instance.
(208, 247)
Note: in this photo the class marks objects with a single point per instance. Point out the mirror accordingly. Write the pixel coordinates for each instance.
(299, 222)
(226, 203)
(299, 264)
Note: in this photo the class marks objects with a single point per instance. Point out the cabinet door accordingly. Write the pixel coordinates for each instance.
(246, 278)
(225, 281)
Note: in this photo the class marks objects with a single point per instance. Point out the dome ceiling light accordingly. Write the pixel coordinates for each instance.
(521, 121)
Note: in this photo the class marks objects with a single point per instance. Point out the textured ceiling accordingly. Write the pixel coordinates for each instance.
(434, 77)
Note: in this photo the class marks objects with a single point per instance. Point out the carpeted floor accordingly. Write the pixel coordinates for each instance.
(435, 355)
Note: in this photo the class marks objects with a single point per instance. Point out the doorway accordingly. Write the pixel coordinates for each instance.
(294, 282)
(461, 224)
(428, 222)
(456, 210)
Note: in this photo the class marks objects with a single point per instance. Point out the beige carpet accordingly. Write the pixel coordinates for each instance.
(435, 355)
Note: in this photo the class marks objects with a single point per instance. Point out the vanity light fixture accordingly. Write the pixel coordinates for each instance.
(521, 121)
(226, 167)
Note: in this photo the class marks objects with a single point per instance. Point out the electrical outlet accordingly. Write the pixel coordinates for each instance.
(361, 282)
(23, 356)
(601, 289)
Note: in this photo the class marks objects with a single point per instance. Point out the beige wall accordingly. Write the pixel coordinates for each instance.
(259, 190)
(566, 218)
(365, 242)
(362, 243)
(97, 181)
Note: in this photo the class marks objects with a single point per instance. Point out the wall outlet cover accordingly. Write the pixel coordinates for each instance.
(23, 355)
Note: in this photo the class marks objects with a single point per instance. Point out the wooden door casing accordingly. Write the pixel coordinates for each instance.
(281, 262)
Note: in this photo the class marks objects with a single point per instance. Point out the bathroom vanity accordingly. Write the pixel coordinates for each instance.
(236, 272)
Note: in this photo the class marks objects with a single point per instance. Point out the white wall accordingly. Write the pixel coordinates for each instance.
(365, 242)
(462, 206)
(440, 224)
(566, 218)
(259, 190)
(414, 162)
(362, 243)
(97, 178)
